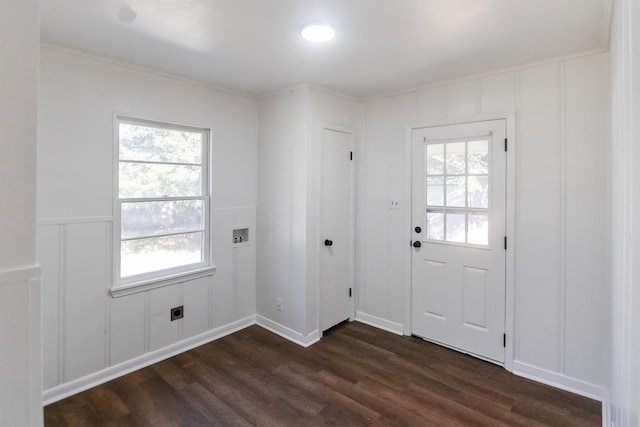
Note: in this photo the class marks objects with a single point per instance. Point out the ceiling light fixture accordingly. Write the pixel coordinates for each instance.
(318, 32)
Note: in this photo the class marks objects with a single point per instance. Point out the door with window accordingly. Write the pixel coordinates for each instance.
(458, 228)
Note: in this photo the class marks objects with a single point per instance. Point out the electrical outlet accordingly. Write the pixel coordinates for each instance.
(177, 313)
(279, 304)
(394, 204)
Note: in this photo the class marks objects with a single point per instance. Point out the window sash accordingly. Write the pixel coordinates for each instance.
(161, 274)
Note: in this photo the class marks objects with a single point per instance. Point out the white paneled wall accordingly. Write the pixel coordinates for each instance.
(562, 312)
(20, 351)
(88, 335)
(288, 206)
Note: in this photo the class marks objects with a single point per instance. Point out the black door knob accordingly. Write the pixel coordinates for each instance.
(418, 230)
(417, 244)
(328, 242)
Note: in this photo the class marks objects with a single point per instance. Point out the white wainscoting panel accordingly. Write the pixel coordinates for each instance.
(85, 299)
(127, 327)
(195, 298)
(48, 254)
(91, 337)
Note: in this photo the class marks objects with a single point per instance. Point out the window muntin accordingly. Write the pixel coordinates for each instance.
(457, 191)
(162, 202)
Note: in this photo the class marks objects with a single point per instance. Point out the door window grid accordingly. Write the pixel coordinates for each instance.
(457, 190)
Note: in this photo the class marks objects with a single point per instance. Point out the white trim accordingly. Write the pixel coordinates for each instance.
(380, 323)
(19, 275)
(143, 286)
(159, 277)
(310, 86)
(65, 390)
(567, 383)
(287, 333)
(516, 68)
(82, 54)
(73, 220)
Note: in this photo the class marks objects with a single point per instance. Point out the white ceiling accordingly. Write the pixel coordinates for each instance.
(381, 46)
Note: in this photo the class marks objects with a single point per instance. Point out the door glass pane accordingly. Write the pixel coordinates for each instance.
(456, 191)
(144, 143)
(158, 253)
(455, 227)
(478, 157)
(478, 229)
(456, 158)
(435, 225)
(146, 219)
(151, 180)
(435, 191)
(478, 191)
(435, 159)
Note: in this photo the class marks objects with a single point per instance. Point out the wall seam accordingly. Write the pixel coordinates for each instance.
(563, 220)
(107, 308)
(517, 101)
(61, 305)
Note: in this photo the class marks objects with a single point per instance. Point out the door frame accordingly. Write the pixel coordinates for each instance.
(510, 119)
(315, 248)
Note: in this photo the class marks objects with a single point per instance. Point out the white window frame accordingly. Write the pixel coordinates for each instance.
(466, 209)
(141, 282)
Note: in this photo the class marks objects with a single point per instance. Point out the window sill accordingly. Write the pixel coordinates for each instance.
(147, 285)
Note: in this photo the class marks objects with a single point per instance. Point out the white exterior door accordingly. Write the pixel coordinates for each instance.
(336, 228)
(458, 229)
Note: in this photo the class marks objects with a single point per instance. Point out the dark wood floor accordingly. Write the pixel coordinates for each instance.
(356, 375)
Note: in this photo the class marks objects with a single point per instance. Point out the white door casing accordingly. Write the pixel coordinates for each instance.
(459, 202)
(336, 227)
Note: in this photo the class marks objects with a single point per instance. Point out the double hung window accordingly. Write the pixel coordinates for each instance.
(161, 206)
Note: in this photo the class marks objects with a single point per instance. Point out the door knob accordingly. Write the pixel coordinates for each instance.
(328, 242)
(417, 244)
(418, 230)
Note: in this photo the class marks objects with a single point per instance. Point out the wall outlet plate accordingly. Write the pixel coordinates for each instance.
(177, 313)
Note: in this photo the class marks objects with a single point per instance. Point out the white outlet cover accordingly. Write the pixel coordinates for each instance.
(394, 204)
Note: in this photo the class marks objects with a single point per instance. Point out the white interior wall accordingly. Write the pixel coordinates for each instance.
(88, 335)
(562, 312)
(561, 278)
(625, 383)
(288, 205)
(20, 356)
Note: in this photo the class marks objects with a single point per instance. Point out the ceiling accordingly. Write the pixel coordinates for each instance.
(381, 46)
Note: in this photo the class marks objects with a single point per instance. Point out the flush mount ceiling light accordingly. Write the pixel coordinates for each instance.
(318, 32)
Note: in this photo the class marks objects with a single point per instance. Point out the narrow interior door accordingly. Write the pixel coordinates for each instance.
(336, 229)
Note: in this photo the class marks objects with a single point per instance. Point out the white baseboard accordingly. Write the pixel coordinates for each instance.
(380, 323)
(567, 383)
(287, 333)
(67, 389)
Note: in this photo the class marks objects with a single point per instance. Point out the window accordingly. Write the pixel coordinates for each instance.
(457, 199)
(161, 208)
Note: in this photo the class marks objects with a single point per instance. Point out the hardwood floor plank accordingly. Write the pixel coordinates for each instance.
(356, 376)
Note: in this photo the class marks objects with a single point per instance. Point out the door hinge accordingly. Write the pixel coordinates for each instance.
(349, 292)
(505, 243)
(350, 155)
(504, 340)
(505, 144)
